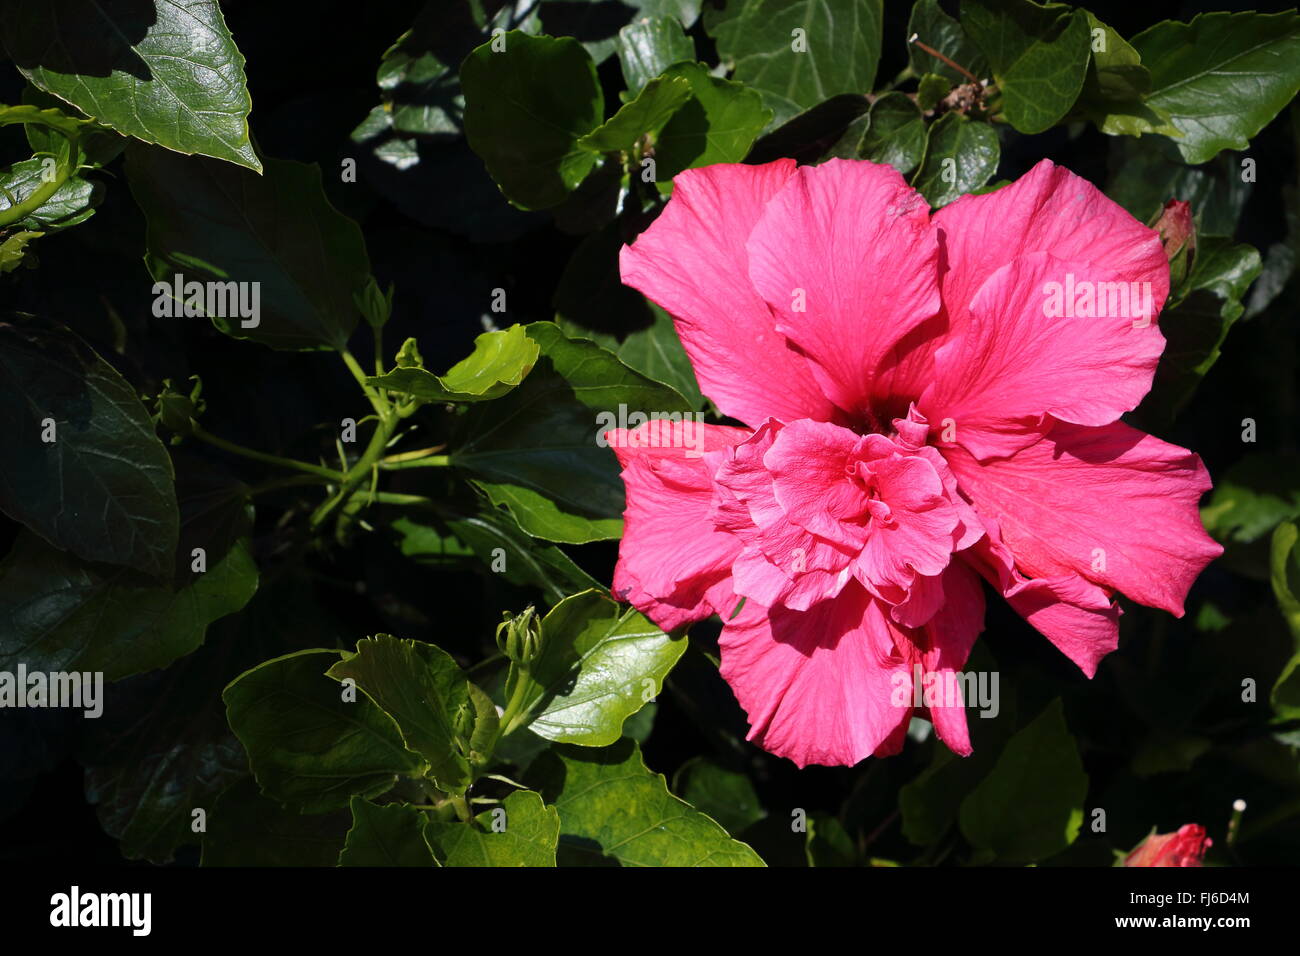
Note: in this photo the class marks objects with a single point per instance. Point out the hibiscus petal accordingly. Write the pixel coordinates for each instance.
(1049, 209)
(824, 686)
(692, 261)
(1112, 504)
(846, 256)
(1014, 362)
(949, 637)
(670, 561)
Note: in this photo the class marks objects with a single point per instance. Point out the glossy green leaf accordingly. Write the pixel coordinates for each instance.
(212, 222)
(72, 203)
(960, 155)
(309, 747)
(525, 110)
(893, 133)
(600, 663)
(1038, 53)
(521, 832)
(499, 362)
(85, 470)
(1147, 172)
(1031, 805)
(388, 835)
(647, 47)
(1114, 92)
(717, 125)
(1222, 77)
(247, 829)
(535, 451)
(933, 27)
(836, 51)
(421, 688)
(657, 353)
(1285, 575)
(653, 107)
(615, 812)
(165, 73)
(725, 795)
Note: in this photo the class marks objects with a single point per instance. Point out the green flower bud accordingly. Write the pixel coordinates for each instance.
(520, 638)
(373, 304)
(176, 410)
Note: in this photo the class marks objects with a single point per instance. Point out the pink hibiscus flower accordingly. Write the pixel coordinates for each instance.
(920, 413)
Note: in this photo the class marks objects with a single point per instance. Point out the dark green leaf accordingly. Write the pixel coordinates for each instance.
(1038, 54)
(525, 110)
(725, 795)
(276, 234)
(421, 688)
(389, 835)
(930, 25)
(521, 832)
(308, 747)
(893, 133)
(836, 51)
(648, 47)
(1222, 77)
(960, 155)
(1252, 497)
(247, 829)
(164, 73)
(103, 487)
(535, 450)
(653, 107)
(718, 125)
(616, 812)
(1031, 805)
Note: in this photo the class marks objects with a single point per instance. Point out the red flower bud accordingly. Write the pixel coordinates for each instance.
(1184, 848)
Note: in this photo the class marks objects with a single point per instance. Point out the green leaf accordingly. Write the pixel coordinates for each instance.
(247, 829)
(653, 107)
(1038, 53)
(615, 812)
(162, 72)
(1285, 575)
(837, 52)
(521, 559)
(525, 110)
(893, 133)
(930, 90)
(1148, 172)
(499, 362)
(62, 614)
(648, 47)
(960, 155)
(72, 203)
(86, 471)
(718, 125)
(1031, 805)
(388, 835)
(1252, 497)
(930, 25)
(657, 353)
(1114, 92)
(421, 688)
(521, 832)
(277, 234)
(723, 794)
(1222, 77)
(1197, 324)
(600, 663)
(309, 747)
(535, 450)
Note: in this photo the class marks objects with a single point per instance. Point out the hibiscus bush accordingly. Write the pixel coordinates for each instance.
(650, 432)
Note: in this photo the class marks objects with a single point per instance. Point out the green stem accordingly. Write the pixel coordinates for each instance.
(376, 400)
(360, 471)
(290, 463)
(512, 717)
(461, 805)
(429, 461)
